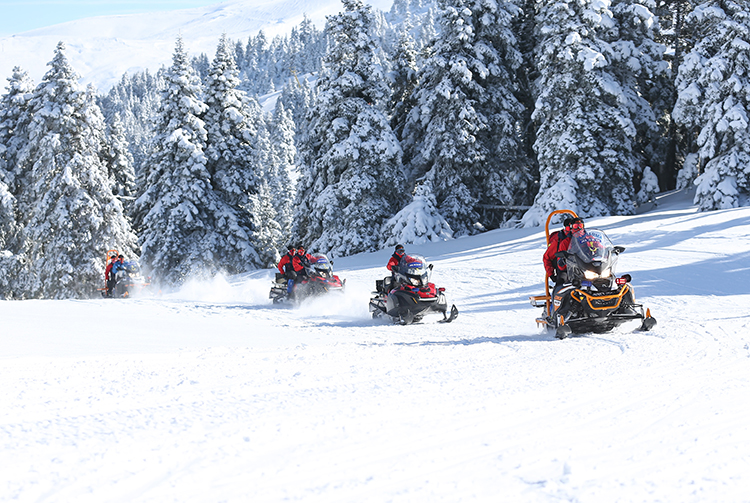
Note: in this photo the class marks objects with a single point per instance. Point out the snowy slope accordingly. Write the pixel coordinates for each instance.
(214, 394)
(102, 48)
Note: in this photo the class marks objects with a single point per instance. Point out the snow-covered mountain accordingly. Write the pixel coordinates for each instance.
(215, 394)
(102, 48)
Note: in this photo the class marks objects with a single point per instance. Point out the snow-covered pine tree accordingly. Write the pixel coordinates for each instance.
(8, 223)
(297, 97)
(639, 65)
(351, 174)
(585, 133)
(463, 133)
(119, 162)
(231, 122)
(181, 235)
(136, 98)
(70, 216)
(419, 222)
(14, 119)
(280, 168)
(268, 237)
(404, 77)
(713, 85)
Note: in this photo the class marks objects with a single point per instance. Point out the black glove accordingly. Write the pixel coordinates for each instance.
(554, 277)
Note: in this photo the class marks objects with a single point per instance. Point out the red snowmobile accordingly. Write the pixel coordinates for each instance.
(408, 295)
(318, 279)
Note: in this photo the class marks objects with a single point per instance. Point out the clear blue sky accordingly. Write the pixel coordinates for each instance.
(17, 16)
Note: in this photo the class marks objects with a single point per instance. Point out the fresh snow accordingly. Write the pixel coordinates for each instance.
(214, 394)
(103, 48)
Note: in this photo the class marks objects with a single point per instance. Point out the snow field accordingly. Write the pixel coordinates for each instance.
(214, 394)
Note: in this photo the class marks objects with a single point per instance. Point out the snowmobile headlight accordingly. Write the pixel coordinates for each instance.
(415, 281)
(590, 275)
(606, 273)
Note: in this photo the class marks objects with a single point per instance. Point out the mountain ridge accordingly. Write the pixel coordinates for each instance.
(103, 48)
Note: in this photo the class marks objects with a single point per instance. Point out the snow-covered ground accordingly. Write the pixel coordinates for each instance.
(214, 394)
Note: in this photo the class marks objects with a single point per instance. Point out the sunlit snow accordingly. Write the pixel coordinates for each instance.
(214, 394)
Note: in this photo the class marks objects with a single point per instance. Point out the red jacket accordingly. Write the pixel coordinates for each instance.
(109, 268)
(393, 262)
(286, 259)
(551, 264)
(299, 261)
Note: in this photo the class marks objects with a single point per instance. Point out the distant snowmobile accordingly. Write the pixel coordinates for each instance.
(595, 299)
(317, 280)
(128, 280)
(412, 296)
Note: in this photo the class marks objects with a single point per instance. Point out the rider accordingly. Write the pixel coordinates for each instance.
(286, 267)
(109, 278)
(299, 261)
(558, 241)
(555, 266)
(393, 264)
(117, 264)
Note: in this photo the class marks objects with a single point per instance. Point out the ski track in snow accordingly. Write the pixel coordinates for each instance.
(214, 394)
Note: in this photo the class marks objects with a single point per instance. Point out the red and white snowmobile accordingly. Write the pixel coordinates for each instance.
(408, 295)
(318, 279)
(593, 299)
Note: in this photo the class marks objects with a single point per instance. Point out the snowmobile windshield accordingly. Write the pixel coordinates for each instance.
(131, 266)
(321, 265)
(415, 269)
(592, 246)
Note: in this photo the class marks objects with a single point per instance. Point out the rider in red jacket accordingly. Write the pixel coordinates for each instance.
(559, 241)
(395, 259)
(287, 259)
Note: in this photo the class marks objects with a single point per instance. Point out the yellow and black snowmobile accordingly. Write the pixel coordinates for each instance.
(593, 298)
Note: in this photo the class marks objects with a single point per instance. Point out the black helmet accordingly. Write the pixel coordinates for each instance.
(567, 222)
(399, 248)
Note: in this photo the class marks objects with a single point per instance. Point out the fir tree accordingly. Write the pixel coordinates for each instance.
(713, 86)
(462, 135)
(638, 64)
(230, 128)
(282, 153)
(119, 162)
(268, 236)
(419, 222)
(71, 217)
(352, 178)
(585, 132)
(183, 214)
(14, 120)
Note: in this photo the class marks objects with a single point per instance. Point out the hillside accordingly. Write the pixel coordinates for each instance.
(213, 394)
(102, 48)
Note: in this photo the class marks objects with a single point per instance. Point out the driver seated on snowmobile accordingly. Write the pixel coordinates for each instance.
(286, 267)
(116, 264)
(109, 278)
(394, 263)
(574, 229)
